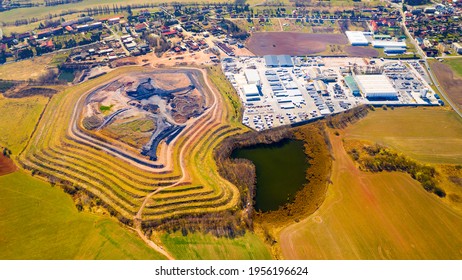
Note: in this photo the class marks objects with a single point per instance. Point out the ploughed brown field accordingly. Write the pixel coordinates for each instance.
(450, 83)
(361, 51)
(292, 43)
(6, 165)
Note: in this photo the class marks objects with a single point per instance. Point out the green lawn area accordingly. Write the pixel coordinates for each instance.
(456, 65)
(431, 135)
(208, 247)
(38, 221)
(18, 119)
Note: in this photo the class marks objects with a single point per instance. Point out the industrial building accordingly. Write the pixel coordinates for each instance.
(278, 61)
(251, 92)
(273, 95)
(357, 38)
(285, 61)
(252, 76)
(376, 87)
(271, 61)
(391, 50)
(351, 84)
(388, 44)
(457, 47)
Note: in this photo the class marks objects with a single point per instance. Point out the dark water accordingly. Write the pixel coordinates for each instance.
(281, 169)
(66, 75)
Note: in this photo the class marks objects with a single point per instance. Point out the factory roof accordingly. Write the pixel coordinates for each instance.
(250, 90)
(375, 84)
(278, 60)
(351, 83)
(252, 76)
(271, 60)
(388, 44)
(356, 37)
(285, 60)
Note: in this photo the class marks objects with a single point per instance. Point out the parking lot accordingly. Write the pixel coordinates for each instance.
(313, 87)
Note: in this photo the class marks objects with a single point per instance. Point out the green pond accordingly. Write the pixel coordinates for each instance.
(66, 75)
(281, 169)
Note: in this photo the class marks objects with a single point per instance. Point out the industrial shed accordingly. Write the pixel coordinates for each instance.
(252, 76)
(376, 87)
(388, 44)
(250, 90)
(351, 83)
(357, 38)
(271, 61)
(391, 50)
(278, 61)
(285, 61)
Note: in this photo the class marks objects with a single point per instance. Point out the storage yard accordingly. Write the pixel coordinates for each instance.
(282, 90)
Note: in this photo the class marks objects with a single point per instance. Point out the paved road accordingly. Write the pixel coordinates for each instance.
(425, 59)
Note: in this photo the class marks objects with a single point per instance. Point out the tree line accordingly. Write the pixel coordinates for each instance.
(377, 158)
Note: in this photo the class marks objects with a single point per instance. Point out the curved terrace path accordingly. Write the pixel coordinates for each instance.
(176, 158)
(214, 112)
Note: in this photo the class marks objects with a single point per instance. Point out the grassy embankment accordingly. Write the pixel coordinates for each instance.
(119, 186)
(104, 180)
(385, 215)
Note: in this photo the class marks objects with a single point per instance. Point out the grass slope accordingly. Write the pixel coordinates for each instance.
(208, 247)
(41, 222)
(432, 135)
(374, 216)
(18, 119)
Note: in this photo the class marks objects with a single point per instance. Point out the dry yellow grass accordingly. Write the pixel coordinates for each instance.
(26, 69)
(374, 216)
(427, 134)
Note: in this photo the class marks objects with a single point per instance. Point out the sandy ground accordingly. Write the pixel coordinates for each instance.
(361, 51)
(451, 84)
(292, 43)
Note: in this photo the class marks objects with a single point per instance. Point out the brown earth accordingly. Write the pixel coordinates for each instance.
(6, 165)
(451, 84)
(25, 91)
(292, 43)
(361, 51)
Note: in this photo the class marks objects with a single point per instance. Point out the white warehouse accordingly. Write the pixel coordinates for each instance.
(388, 44)
(252, 76)
(357, 38)
(251, 93)
(376, 87)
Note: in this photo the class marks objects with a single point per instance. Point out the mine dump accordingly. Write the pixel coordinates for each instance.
(143, 110)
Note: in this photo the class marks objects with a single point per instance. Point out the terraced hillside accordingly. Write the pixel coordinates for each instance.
(137, 192)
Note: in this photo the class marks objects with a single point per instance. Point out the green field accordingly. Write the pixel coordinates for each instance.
(374, 216)
(431, 135)
(17, 120)
(456, 65)
(41, 222)
(197, 246)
